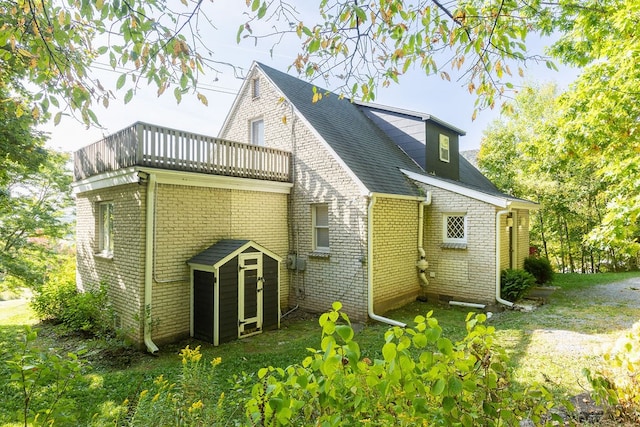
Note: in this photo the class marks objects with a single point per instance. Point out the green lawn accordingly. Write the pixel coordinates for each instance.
(531, 339)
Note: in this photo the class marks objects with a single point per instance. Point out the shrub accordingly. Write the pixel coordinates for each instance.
(617, 386)
(514, 283)
(52, 299)
(422, 379)
(90, 312)
(59, 301)
(43, 380)
(540, 268)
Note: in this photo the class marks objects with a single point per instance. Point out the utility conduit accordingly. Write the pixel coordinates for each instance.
(422, 262)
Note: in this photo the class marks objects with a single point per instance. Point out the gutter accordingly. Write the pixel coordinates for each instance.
(148, 263)
(372, 315)
(501, 300)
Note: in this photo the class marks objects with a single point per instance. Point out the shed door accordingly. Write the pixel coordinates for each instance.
(203, 301)
(250, 293)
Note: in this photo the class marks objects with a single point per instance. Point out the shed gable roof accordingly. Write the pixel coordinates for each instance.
(222, 251)
(214, 254)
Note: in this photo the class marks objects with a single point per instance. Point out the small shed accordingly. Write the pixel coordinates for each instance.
(235, 291)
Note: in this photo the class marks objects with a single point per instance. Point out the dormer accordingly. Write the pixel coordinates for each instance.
(442, 153)
(430, 142)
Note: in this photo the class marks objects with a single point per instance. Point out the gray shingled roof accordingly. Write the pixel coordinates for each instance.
(372, 156)
(366, 149)
(216, 252)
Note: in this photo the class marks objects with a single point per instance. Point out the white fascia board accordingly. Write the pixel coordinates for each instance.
(364, 191)
(501, 202)
(523, 204)
(130, 176)
(192, 179)
(106, 180)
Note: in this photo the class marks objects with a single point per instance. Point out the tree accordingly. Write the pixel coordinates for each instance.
(522, 152)
(32, 206)
(54, 44)
(600, 114)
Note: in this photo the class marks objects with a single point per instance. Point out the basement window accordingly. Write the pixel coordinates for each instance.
(444, 148)
(454, 230)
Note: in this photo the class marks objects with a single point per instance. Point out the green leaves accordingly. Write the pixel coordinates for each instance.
(435, 383)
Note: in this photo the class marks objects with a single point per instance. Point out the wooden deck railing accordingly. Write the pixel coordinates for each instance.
(153, 146)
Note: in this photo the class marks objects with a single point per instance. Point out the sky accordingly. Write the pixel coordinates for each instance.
(448, 101)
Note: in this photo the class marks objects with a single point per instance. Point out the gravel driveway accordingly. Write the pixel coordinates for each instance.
(613, 298)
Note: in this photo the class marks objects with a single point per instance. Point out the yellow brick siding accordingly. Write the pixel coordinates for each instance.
(395, 252)
(523, 236)
(125, 272)
(187, 220)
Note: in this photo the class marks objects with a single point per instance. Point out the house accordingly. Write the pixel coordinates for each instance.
(317, 202)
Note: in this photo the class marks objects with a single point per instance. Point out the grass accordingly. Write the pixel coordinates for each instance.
(550, 345)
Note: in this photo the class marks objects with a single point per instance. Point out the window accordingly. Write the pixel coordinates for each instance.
(321, 227)
(455, 228)
(444, 148)
(105, 233)
(257, 132)
(255, 88)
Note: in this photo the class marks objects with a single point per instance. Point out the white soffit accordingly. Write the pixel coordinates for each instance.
(105, 180)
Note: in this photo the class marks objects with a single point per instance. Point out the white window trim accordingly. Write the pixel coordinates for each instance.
(445, 223)
(315, 227)
(105, 247)
(444, 147)
(251, 131)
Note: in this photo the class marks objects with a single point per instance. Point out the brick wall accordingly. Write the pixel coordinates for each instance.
(523, 236)
(124, 273)
(395, 243)
(319, 178)
(188, 220)
(461, 274)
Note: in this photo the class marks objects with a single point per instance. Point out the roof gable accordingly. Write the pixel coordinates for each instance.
(363, 147)
(222, 251)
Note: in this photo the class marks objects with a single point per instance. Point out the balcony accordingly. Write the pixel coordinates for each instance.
(153, 146)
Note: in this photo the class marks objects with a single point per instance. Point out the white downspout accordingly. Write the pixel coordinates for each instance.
(422, 262)
(501, 300)
(148, 263)
(372, 201)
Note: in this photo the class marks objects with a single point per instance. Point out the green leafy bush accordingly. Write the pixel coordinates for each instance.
(617, 386)
(540, 268)
(90, 312)
(59, 301)
(43, 380)
(514, 283)
(422, 379)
